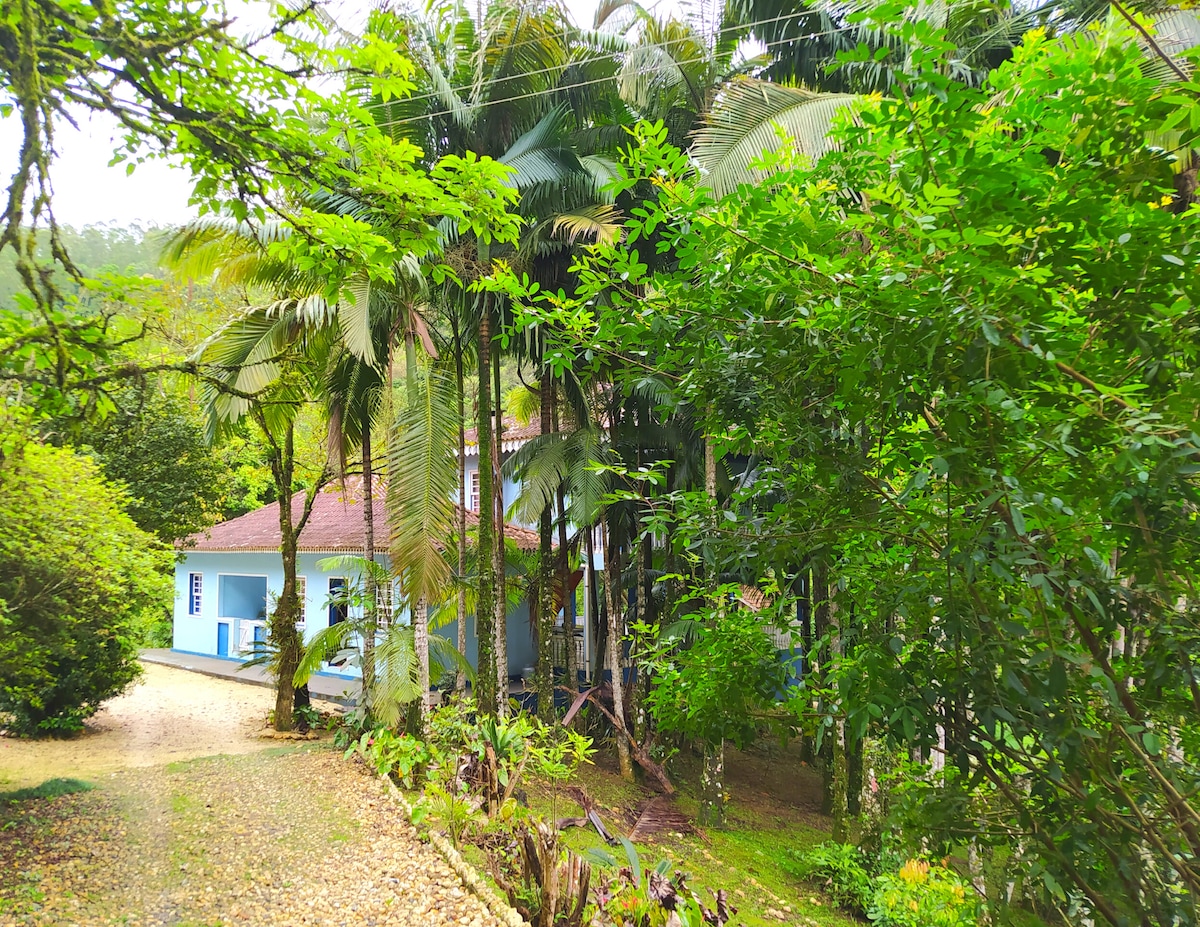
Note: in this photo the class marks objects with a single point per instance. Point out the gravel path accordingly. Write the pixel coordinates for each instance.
(169, 714)
(294, 835)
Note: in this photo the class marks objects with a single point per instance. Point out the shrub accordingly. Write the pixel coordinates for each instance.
(80, 584)
(391, 754)
(839, 869)
(921, 895)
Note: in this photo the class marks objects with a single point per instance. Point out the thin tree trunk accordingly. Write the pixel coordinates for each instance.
(712, 776)
(544, 675)
(712, 787)
(564, 572)
(485, 606)
(593, 602)
(500, 625)
(612, 590)
(637, 710)
(370, 611)
(419, 610)
(282, 624)
(460, 681)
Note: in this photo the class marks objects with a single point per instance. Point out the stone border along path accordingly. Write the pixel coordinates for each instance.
(499, 907)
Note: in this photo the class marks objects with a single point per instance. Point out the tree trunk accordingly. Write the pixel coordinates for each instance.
(564, 571)
(370, 610)
(593, 601)
(281, 627)
(460, 680)
(485, 606)
(712, 787)
(712, 775)
(612, 591)
(421, 645)
(637, 688)
(500, 626)
(419, 610)
(544, 675)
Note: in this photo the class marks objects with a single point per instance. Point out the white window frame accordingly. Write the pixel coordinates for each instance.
(195, 594)
(473, 490)
(302, 598)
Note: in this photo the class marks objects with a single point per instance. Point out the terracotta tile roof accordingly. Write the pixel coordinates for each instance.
(514, 435)
(336, 525)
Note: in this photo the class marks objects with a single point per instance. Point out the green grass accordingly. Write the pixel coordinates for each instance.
(745, 860)
(51, 788)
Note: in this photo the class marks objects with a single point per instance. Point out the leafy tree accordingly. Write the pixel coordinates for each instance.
(80, 584)
(959, 351)
(154, 446)
(718, 686)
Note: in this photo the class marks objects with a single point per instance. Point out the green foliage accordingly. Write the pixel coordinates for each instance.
(640, 896)
(716, 686)
(153, 445)
(51, 788)
(923, 895)
(456, 810)
(391, 754)
(958, 351)
(80, 585)
(839, 869)
(917, 895)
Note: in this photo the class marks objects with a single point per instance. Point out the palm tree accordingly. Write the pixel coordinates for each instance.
(255, 367)
(497, 83)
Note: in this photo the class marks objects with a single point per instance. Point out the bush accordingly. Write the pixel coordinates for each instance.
(921, 895)
(80, 585)
(839, 869)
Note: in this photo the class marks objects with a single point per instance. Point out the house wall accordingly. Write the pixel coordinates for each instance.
(511, 490)
(198, 634)
(520, 640)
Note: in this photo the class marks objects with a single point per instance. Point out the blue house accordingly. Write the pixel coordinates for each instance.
(226, 577)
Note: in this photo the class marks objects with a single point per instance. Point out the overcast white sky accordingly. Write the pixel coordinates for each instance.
(87, 191)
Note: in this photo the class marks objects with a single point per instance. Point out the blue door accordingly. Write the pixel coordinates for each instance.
(222, 639)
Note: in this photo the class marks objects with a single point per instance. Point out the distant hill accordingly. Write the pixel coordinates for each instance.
(131, 250)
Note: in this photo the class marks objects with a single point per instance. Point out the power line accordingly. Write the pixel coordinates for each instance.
(563, 87)
(601, 57)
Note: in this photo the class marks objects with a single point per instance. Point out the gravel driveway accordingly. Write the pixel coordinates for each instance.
(287, 835)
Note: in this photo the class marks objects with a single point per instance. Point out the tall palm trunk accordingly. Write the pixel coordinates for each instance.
(485, 606)
(612, 592)
(544, 675)
(371, 609)
(460, 683)
(500, 626)
(564, 567)
(712, 785)
(281, 626)
(418, 609)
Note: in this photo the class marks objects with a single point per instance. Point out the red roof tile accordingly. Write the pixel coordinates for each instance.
(514, 435)
(337, 524)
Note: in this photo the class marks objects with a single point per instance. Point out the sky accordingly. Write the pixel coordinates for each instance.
(87, 191)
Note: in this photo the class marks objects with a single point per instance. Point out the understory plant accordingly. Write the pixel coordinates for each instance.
(634, 896)
(918, 894)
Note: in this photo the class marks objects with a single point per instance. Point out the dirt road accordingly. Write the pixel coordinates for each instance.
(261, 835)
(169, 715)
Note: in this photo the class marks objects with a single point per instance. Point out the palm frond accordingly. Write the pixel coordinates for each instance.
(423, 481)
(742, 126)
(600, 223)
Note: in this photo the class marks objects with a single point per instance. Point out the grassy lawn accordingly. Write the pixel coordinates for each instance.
(744, 859)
